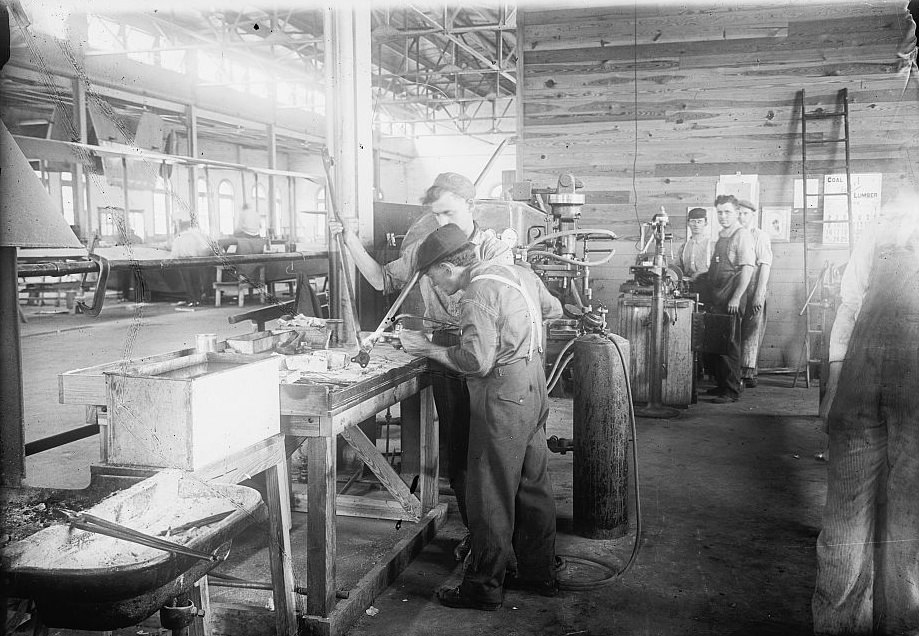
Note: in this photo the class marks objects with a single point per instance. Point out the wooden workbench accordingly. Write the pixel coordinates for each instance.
(314, 412)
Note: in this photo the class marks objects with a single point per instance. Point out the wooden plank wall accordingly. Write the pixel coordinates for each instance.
(649, 105)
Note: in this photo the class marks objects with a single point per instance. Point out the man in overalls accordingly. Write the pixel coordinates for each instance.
(509, 500)
(868, 548)
(450, 199)
(729, 274)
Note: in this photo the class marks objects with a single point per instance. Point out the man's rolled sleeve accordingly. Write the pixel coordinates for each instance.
(397, 273)
(763, 249)
(852, 289)
(550, 305)
(475, 354)
(746, 249)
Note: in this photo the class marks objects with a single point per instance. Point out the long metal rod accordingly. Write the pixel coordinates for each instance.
(140, 154)
(98, 525)
(345, 265)
(66, 268)
(54, 441)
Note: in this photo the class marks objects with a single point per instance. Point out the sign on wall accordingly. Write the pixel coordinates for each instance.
(866, 205)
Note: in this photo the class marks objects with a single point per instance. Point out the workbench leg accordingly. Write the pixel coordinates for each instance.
(282, 572)
(430, 450)
(410, 434)
(200, 596)
(320, 526)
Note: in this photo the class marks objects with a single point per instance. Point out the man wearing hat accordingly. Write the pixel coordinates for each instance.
(753, 324)
(509, 501)
(696, 252)
(450, 199)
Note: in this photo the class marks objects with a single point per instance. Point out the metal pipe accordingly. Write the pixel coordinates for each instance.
(53, 441)
(65, 268)
(491, 160)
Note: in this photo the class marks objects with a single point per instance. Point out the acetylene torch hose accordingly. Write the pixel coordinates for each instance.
(566, 259)
(636, 546)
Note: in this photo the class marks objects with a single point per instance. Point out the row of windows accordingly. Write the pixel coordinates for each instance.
(219, 221)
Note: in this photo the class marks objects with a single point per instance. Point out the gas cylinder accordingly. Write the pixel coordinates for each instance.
(601, 435)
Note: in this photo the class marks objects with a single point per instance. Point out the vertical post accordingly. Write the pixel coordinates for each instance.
(191, 131)
(126, 197)
(12, 429)
(321, 538)
(292, 210)
(277, 483)
(349, 130)
(78, 30)
(410, 436)
(273, 222)
(80, 213)
(518, 97)
(430, 448)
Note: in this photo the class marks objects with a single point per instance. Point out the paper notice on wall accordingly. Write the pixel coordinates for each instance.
(813, 188)
(866, 205)
(742, 186)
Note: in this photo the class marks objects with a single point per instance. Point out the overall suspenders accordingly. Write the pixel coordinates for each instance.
(535, 325)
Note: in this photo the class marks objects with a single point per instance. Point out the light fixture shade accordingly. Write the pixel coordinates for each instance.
(28, 217)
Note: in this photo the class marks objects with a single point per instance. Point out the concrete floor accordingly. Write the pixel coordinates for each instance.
(731, 497)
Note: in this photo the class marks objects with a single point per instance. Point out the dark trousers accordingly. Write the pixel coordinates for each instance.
(508, 493)
(193, 281)
(451, 398)
(726, 366)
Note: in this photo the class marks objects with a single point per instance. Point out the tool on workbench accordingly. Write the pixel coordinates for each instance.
(92, 523)
(346, 268)
(366, 345)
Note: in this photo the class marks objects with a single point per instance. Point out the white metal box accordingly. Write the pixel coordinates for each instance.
(190, 411)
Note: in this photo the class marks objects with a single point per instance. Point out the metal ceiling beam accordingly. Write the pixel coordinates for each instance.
(460, 43)
(203, 46)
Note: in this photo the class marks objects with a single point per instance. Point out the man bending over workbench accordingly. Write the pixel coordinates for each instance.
(509, 500)
(449, 200)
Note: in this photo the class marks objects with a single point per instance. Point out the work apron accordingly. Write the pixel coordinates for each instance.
(868, 549)
(722, 279)
(509, 499)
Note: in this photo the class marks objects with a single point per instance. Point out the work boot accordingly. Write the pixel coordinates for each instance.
(461, 551)
(452, 597)
(543, 588)
(750, 382)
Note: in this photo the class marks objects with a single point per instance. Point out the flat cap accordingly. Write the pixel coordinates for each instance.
(440, 244)
(456, 183)
(697, 213)
(743, 203)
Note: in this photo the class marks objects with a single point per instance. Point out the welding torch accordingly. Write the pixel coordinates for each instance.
(366, 345)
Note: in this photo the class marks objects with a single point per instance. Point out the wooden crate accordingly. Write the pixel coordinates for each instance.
(635, 326)
(190, 411)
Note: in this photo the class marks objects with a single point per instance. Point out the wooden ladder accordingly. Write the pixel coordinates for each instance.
(815, 309)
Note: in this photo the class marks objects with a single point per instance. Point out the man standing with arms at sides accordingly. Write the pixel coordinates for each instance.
(868, 548)
(696, 253)
(449, 200)
(753, 324)
(729, 275)
(509, 499)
